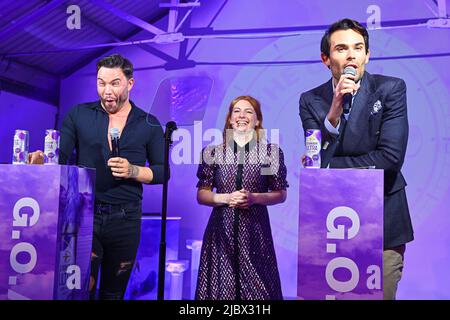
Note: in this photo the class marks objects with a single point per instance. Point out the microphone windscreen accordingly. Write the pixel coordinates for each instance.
(114, 133)
(350, 70)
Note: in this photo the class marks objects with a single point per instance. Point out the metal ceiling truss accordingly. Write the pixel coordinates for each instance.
(179, 31)
(40, 86)
(28, 19)
(173, 36)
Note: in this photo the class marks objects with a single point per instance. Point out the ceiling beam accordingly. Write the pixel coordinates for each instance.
(19, 71)
(442, 8)
(193, 4)
(102, 51)
(128, 17)
(271, 31)
(173, 16)
(25, 20)
(23, 89)
(208, 26)
(147, 47)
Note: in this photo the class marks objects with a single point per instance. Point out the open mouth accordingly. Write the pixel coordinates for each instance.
(351, 65)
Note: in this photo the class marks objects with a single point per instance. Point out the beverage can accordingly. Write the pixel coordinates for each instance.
(20, 147)
(313, 145)
(51, 146)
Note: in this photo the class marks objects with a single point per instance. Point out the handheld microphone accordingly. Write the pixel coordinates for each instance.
(171, 126)
(115, 152)
(347, 103)
(114, 133)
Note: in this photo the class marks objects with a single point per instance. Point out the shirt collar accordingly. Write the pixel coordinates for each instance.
(134, 112)
(248, 146)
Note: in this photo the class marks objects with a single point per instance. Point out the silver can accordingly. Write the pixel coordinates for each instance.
(20, 147)
(51, 146)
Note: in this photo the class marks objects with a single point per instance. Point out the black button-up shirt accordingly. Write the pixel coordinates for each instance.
(85, 128)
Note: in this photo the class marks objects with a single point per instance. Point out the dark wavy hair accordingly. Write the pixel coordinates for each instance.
(117, 61)
(343, 24)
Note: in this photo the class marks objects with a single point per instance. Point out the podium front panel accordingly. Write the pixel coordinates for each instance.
(340, 242)
(46, 220)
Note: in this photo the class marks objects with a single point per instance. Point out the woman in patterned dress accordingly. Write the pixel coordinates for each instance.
(238, 259)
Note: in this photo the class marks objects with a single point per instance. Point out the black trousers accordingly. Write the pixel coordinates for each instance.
(115, 243)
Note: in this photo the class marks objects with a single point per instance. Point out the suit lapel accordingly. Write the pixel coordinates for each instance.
(359, 115)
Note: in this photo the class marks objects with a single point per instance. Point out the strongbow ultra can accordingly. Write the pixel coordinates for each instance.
(51, 146)
(313, 146)
(20, 147)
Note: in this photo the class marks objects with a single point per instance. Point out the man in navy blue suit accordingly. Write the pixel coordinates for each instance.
(374, 133)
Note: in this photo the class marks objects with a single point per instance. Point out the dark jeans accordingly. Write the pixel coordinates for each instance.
(115, 242)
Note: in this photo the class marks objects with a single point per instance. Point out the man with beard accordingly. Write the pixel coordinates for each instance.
(118, 190)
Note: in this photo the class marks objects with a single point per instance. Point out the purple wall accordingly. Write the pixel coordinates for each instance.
(22, 113)
(278, 87)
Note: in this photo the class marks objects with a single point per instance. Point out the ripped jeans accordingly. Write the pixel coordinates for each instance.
(115, 242)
